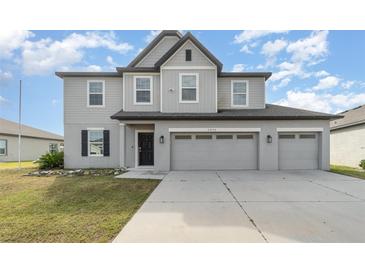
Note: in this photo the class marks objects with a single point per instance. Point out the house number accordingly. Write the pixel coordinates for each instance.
(212, 129)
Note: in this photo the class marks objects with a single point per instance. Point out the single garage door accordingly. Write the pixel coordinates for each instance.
(298, 150)
(218, 151)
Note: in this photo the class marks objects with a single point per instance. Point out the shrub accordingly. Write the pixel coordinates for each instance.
(362, 164)
(51, 160)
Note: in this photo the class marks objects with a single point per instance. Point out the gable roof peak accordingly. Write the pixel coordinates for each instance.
(152, 44)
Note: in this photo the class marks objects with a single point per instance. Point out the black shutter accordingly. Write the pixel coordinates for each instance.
(106, 143)
(188, 55)
(83, 142)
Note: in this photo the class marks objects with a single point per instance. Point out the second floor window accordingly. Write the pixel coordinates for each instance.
(239, 93)
(143, 90)
(189, 90)
(96, 90)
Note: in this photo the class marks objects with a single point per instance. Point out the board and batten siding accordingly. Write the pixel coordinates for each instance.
(197, 57)
(75, 100)
(158, 51)
(129, 93)
(256, 87)
(171, 92)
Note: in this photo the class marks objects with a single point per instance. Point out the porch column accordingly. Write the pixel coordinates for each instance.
(122, 145)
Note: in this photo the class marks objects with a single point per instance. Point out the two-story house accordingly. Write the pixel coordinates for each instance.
(174, 108)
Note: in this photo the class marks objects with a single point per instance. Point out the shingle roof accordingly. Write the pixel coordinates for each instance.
(62, 74)
(351, 117)
(11, 128)
(271, 112)
(186, 37)
(151, 45)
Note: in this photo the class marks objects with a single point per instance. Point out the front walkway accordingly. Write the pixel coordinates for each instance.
(251, 206)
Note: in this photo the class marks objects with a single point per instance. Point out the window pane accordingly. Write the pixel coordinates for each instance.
(222, 137)
(53, 148)
(188, 94)
(286, 136)
(143, 83)
(239, 99)
(2, 144)
(96, 136)
(240, 137)
(307, 136)
(239, 87)
(203, 137)
(143, 96)
(96, 149)
(96, 87)
(189, 81)
(182, 137)
(96, 99)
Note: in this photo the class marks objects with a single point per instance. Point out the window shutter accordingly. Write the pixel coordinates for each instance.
(84, 143)
(106, 143)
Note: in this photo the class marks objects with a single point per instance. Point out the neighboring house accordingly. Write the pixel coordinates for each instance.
(34, 142)
(348, 138)
(173, 108)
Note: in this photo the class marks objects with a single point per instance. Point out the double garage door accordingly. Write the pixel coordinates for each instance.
(218, 151)
(230, 151)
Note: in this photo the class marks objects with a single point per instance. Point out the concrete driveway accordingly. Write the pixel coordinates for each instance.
(251, 206)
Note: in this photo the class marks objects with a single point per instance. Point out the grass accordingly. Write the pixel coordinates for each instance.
(349, 171)
(25, 164)
(67, 209)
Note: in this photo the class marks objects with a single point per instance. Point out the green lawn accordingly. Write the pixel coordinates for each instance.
(25, 164)
(67, 209)
(349, 171)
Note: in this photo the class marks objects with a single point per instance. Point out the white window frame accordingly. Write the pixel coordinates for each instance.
(49, 147)
(88, 93)
(135, 90)
(246, 93)
(88, 142)
(196, 86)
(6, 147)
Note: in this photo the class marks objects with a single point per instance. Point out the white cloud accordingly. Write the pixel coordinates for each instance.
(3, 101)
(326, 102)
(110, 60)
(326, 83)
(246, 49)
(46, 55)
(321, 73)
(311, 49)
(93, 68)
(54, 102)
(347, 84)
(5, 76)
(250, 35)
(151, 35)
(238, 68)
(287, 70)
(283, 83)
(11, 40)
(271, 49)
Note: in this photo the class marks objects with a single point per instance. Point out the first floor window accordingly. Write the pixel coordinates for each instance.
(239, 93)
(96, 142)
(53, 148)
(3, 147)
(189, 88)
(143, 90)
(96, 91)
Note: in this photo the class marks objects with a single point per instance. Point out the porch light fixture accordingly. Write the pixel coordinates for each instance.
(269, 139)
(162, 139)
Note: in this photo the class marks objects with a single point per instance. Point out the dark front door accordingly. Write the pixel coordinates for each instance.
(145, 148)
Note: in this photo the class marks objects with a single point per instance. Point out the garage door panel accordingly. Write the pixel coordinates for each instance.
(213, 154)
(298, 151)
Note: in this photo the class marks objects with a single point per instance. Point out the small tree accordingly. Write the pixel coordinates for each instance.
(362, 164)
(51, 160)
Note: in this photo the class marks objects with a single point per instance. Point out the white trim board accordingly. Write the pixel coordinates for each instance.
(188, 67)
(299, 129)
(212, 130)
(136, 158)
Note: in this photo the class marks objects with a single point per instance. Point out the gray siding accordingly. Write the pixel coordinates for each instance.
(348, 146)
(256, 96)
(75, 100)
(129, 94)
(198, 58)
(207, 91)
(31, 148)
(157, 52)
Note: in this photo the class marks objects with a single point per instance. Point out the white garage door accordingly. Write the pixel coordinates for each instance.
(219, 151)
(298, 150)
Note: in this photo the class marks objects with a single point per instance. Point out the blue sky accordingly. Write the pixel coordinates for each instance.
(318, 70)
